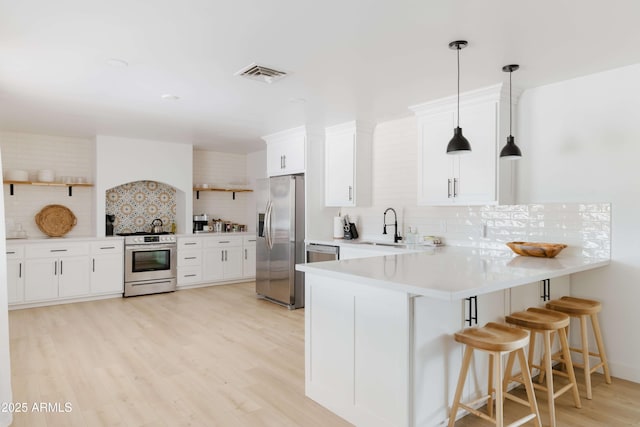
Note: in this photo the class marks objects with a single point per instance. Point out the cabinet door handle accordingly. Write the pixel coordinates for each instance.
(20, 270)
(455, 187)
(189, 275)
(61, 267)
(224, 241)
(449, 188)
(94, 265)
(108, 247)
(222, 255)
(281, 162)
(225, 255)
(245, 254)
(55, 268)
(284, 162)
(350, 193)
(10, 252)
(190, 243)
(190, 257)
(58, 250)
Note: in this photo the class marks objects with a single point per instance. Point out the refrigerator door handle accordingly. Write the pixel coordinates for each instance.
(267, 225)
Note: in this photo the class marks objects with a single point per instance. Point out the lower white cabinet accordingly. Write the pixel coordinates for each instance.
(15, 273)
(107, 270)
(56, 271)
(216, 258)
(249, 258)
(222, 258)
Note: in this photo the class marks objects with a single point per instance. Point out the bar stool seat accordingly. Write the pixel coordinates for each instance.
(582, 308)
(546, 322)
(496, 339)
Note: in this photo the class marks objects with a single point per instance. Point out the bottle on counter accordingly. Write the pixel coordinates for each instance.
(174, 228)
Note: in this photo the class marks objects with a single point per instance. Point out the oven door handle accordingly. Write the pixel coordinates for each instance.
(150, 247)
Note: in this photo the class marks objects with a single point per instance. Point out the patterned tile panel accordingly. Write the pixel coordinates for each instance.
(137, 204)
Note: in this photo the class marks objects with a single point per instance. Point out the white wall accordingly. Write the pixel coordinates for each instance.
(256, 169)
(581, 141)
(5, 364)
(221, 170)
(66, 157)
(122, 160)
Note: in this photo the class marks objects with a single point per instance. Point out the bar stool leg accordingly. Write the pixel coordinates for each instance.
(526, 375)
(603, 356)
(468, 352)
(497, 371)
(585, 355)
(566, 355)
(507, 372)
(547, 369)
(490, 386)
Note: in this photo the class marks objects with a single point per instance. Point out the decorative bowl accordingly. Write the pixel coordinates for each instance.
(543, 250)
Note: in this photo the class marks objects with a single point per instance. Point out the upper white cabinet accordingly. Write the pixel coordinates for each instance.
(347, 163)
(286, 151)
(476, 178)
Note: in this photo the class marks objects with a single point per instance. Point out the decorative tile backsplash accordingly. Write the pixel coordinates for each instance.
(137, 204)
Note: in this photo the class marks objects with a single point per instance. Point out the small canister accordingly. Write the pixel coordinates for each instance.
(227, 227)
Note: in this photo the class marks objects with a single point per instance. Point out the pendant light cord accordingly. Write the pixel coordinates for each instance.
(510, 98)
(458, 49)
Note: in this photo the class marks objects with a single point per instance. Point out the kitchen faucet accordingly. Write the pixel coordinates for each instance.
(396, 236)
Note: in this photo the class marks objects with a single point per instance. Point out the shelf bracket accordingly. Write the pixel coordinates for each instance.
(234, 195)
(70, 191)
(11, 189)
(197, 194)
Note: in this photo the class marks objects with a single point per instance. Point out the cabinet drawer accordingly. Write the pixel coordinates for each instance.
(189, 274)
(189, 257)
(249, 240)
(216, 242)
(190, 243)
(106, 247)
(15, 252)
(56, 251)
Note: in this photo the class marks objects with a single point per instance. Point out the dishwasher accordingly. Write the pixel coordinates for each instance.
(318, 253)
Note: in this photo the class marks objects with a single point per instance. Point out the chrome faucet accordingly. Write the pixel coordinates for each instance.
(396, 236)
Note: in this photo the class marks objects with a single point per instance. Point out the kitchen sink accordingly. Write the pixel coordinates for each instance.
(386, 244)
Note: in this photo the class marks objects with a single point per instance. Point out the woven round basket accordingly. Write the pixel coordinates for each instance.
(55, 220)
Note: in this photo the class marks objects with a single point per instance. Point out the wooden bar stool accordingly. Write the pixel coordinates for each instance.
(546, 322)
(497, 340)
(581, 309)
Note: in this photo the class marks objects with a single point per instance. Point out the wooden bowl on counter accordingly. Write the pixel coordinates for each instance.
(543, 250)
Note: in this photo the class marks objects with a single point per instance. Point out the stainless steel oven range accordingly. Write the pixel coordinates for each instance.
(149, 263)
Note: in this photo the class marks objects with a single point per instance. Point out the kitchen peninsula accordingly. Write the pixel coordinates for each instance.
(379, 349)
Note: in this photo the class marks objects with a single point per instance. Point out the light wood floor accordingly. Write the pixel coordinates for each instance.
(212, 356)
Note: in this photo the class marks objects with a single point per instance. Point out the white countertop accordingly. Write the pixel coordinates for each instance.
(45, 239)
(451, 273)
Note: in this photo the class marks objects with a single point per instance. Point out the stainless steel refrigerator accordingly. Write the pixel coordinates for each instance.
(280, 242)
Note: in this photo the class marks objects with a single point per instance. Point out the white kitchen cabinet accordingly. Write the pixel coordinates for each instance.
(222, 258)
(249, 258)
(469, 179)
(348, 165)
(56, 271)
(107, 267)
(15, 273)
(189, 260)
(286, 152)
(351, 331)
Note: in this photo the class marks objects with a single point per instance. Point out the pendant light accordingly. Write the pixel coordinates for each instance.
(458, 144)
(511, 150)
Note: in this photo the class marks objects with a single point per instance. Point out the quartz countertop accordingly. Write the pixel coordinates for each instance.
(451, 273)
(45, 239)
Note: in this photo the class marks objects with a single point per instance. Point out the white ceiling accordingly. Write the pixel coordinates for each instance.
(365, 59)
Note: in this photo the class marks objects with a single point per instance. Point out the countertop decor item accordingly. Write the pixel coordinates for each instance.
(543, 250)
(458, 144)
(510, 151)
(55, 220)
(16, 175)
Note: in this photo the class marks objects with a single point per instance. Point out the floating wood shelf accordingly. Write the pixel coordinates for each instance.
(48, 184)
(228, 190)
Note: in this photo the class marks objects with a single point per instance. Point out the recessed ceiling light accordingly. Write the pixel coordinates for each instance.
(170, 97)
(115, 62)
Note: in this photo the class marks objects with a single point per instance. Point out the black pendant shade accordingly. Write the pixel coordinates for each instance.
(458, 143)
(511, 150)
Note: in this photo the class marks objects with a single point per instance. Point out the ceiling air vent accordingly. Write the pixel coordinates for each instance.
(261, 73)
